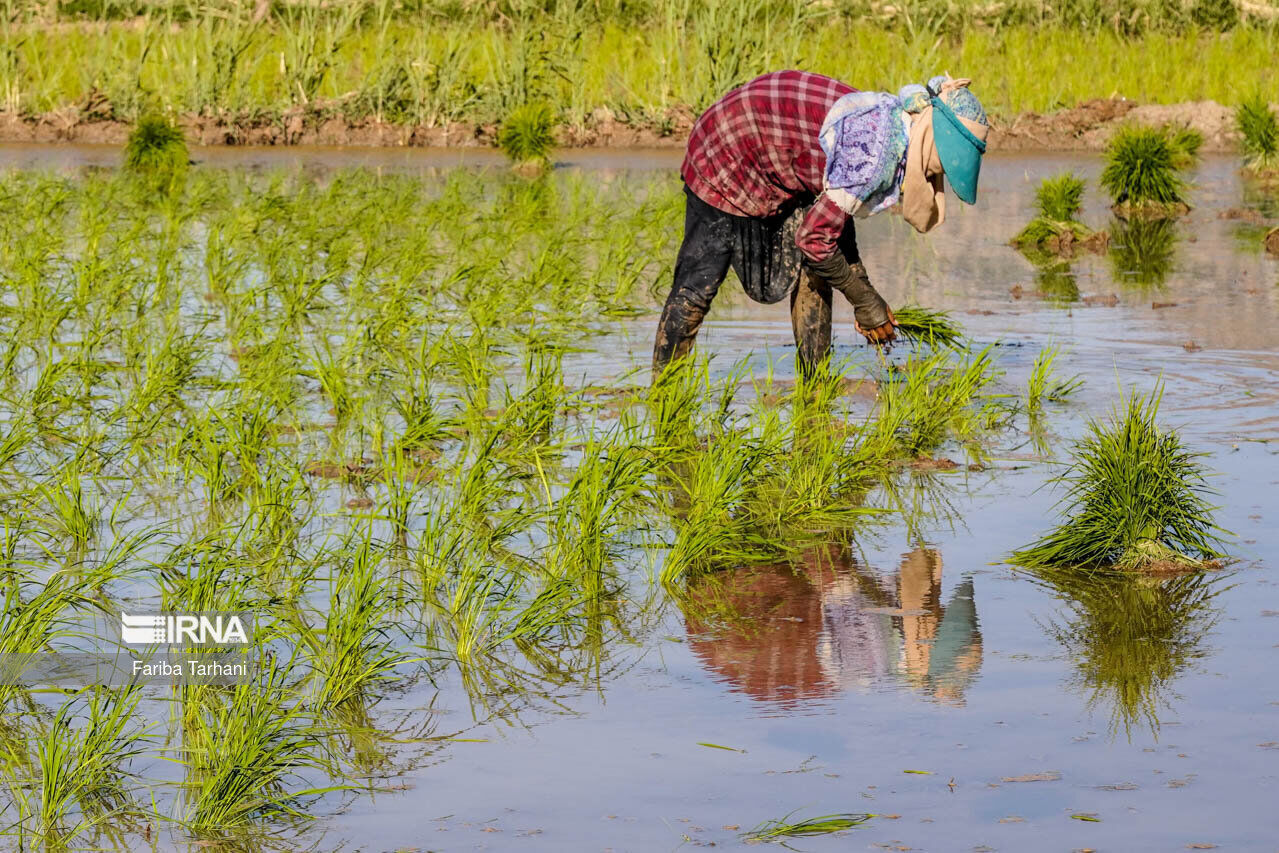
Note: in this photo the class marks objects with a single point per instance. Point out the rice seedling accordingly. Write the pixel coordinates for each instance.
(1055, 227)
(1043, 386)
(1135, 499)
(156, 148)
(80, 774)
(1141, 173)
(776, 830)
(935, 328)
(934, 399)
(248, 755)
(527, 136)
(1259, 130)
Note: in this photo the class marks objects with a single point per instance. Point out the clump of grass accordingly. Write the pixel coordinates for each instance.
(1060, 198)
(156, 147)
(1185, 143)
(1260, 131)
(935, 328)
(1043, 386)
(1141, 172)
(1135, 500)
(1056, 226)
(527, 135)
(774, 830)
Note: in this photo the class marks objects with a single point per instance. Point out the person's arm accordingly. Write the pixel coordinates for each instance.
(818, 240)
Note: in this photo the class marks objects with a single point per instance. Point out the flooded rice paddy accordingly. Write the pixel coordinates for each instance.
(515, 601)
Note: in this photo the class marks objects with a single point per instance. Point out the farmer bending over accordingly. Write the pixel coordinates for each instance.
(774, 173)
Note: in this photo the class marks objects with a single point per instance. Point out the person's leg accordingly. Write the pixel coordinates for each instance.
(810, 317)
(700, 268)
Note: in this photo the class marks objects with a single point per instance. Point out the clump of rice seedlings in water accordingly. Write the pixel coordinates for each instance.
(1136, 500)
(935, 328)
(1043, 386)
(1185, 142)
(1056, 226)
(775, 830)
(77, 779)
(249, 753)
(157, 149)
(1141, 173)
(528, 135)
(1260, 131)
(934, 399)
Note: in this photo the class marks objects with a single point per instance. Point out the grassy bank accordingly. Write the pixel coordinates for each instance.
(652, 65)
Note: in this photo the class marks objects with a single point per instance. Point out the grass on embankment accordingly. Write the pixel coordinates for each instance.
(423, 69)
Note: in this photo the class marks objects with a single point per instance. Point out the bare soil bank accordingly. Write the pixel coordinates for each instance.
(1085, 127)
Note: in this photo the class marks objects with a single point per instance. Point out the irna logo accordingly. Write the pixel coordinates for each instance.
(168, 629)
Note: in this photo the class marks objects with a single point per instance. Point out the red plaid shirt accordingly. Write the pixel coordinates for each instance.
(756, 148)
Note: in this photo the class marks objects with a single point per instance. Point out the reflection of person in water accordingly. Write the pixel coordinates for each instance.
(783, 633)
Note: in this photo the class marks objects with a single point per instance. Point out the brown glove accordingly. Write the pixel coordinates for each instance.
(869, 308)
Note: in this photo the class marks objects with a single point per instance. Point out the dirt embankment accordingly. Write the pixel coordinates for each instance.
(1086, 127)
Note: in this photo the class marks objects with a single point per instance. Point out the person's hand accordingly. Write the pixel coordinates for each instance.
(884, 334)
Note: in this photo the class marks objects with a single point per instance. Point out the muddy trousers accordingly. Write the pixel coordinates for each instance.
(713, 242)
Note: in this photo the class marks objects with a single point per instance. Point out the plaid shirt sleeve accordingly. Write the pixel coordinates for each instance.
(821, 228)
(756, 150)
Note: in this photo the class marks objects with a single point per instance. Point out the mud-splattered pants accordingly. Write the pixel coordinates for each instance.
(763, 254)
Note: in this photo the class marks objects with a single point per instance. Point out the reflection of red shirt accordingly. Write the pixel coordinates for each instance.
(757, 148)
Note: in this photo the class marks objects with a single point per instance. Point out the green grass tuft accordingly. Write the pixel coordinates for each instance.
(1060, 198)
(1135, 499)
(935, 328)
(1260, 132)
(1141, 167)
(156, 146)
(527, 135)
(772, 830)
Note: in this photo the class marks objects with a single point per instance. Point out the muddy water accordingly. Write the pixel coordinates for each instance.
(930, 656)
(1030, 718)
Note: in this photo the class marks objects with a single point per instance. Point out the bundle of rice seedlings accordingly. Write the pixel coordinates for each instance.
(527, 136)
(1272, 241)
(935, 328)
(1260, 131)
(1135, 500)
(1185, 143)
(156, 147)
(1056, 226)
(1141, 172)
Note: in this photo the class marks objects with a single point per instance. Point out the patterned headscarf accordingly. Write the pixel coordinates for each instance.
(865, 136)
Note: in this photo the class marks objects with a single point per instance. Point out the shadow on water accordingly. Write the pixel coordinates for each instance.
(1131, 636)
(784, 634)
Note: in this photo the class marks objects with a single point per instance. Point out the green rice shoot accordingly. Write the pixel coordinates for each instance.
(775, 830)
(528, 135)
(932, 327)
(156, 147)
(1259, 130)
(1141, 168)
(1135, 499)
